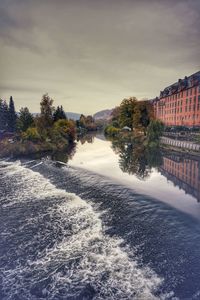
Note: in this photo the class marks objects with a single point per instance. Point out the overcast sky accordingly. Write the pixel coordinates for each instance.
(90, 54)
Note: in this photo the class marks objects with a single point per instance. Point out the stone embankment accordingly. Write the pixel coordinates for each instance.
(181, 144)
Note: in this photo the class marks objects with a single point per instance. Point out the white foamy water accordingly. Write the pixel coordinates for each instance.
(78, 256)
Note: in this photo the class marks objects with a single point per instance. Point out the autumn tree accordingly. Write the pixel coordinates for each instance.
(143, 114)
(44, 122)
(127, 108)
(47, 110)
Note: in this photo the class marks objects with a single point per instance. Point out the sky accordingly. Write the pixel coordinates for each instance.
(89, 55)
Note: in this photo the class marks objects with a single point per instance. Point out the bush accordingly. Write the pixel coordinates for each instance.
(155, 130)
(112, 131)
(64, 129)
(31, 134)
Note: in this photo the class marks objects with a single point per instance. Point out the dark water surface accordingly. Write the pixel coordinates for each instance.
(103, 226)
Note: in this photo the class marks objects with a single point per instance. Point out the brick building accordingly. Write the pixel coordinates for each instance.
(179, 103)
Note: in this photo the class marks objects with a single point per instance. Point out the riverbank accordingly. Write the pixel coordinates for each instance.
(14, 149)
(180, 146)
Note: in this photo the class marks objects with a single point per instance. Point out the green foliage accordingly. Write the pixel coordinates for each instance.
(25, 119)
(155, 130)
(111, 131)
(143, 114)
(86, 123)
(3, 115)
(135, 157)
(31, 134)
(47, 109)
(126, 112)
(12, 117)
(59, 114)
(64, 130)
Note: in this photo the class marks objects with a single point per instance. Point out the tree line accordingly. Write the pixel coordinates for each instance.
(8, 116)
(134, 116)
(12, 122)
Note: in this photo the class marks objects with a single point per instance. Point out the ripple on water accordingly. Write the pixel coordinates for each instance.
(53, 245)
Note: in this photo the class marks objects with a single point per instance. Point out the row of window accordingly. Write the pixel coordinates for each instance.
(179, 110)
(189, 117)
(188, 92)
(179, 103)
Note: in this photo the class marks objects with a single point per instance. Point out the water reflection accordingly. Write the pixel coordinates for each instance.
(87, 138)
(139, 159)
(64, 156)
(183, 171)
(136, 158)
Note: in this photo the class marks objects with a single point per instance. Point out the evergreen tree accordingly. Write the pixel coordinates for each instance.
(25, 119)
(59, 114)
(12, 117)
(4, 115)
(62, 113)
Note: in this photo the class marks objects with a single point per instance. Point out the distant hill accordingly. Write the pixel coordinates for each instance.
(103, 114)
(73, 116)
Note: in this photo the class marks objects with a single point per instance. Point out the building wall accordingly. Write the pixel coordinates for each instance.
(181, 107)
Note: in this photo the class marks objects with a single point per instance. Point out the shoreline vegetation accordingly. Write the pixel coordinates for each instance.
(135, 120)
(51, 131)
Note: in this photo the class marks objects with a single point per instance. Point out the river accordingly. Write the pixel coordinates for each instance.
(105, 221)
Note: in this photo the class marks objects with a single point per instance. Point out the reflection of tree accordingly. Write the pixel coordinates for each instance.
(86, 138)
(66, 155)
(136, 158)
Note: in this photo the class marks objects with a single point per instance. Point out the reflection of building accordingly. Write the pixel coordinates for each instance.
(179, 103)
(183, 172)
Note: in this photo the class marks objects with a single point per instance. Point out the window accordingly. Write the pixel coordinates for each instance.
(187, 93)
(190, 92)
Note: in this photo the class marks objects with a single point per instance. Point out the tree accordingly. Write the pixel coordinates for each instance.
(47, 109)
(155, 130)
(3, 115)
(25, 119)
(127, 108)
(44, 122)
(64, 129)
(12, 116)
(82, 121)
(143, 115)
(59, 114)
(115, 115)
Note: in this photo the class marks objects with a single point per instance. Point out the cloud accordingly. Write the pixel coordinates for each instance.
(90, 54)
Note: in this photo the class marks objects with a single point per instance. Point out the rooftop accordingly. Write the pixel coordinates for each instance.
(181, 84)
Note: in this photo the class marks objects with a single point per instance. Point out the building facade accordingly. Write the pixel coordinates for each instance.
(179, 103)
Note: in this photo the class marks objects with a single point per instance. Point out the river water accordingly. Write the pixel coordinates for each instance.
(105, 221)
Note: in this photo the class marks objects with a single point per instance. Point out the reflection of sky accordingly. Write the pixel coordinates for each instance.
(99, 157)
